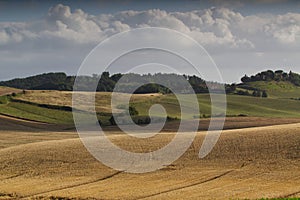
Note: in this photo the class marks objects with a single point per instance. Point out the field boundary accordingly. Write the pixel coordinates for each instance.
(23, 119)
(49, 106)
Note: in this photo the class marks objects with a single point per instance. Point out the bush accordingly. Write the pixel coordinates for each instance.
(264, 94)
(244, 93)
(3, 99)
(112, 121)
(256, 93)
(133, 111)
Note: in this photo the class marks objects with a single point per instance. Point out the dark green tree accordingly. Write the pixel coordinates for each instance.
(264, 94)
(133, 111)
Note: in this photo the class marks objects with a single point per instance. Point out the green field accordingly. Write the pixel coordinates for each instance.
(236, 106)
(26, 111)
(276, 89)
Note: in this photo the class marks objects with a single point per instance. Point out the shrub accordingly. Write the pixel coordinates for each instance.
(241, 92)
(3, 99)
(264, 94)
(256, 93)
(133, 111)
(112, 121)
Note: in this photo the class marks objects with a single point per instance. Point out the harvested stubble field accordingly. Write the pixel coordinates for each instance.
(47, 162)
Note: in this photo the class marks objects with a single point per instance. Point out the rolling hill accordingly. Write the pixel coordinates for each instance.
(277, 84)
(249, 163)
(277, 89)
(41, 156)
(32, 106)
(53, 106)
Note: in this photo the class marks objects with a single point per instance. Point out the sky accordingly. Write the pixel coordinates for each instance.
(242, 37)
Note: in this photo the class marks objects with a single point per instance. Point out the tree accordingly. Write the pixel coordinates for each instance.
(241, 92)
(256, 93)
(112, 121)
(294, 78)
(133, 111)
(245, 79)
(264, 94)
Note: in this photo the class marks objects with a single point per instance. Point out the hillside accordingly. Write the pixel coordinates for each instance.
(276, 84)
(8, 90)
(106, 82)
(260, 159)
(51, 106)
(280, 89)
(251, 163)
(46, 81)
(55, 106)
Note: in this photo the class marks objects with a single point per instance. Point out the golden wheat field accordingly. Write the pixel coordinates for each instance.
(41, 161)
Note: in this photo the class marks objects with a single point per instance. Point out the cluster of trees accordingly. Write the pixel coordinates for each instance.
(258, 93)
(298, 99)
(105, 82)
(146, 83)
(136, 118)
(255, 93)
(49, 81)
(270, 75)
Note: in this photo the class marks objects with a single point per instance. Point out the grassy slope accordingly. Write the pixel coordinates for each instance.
(277, 89)
(36, 113)
(236, 105)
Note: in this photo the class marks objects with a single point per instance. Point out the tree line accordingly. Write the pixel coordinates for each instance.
(106, 83)
(135, 82)
(270, 75)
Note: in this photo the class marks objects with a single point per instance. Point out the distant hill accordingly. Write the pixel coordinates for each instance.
(270, 75)
(274, 83)
(47, 81)
(242, 100)
(107, 82)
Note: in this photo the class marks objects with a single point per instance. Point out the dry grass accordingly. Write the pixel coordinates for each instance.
(64, 98)
(246, 163)
(8, 90)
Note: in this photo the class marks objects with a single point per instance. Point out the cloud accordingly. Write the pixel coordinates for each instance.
(284, 28)
(271, 1)
(215, 28)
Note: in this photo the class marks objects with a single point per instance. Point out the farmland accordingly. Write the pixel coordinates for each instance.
(41, 156)
(236, 106)
(246, 163)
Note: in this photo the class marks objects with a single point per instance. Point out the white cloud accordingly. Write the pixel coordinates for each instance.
(285, 28)
(61, 40)
(215, 28)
